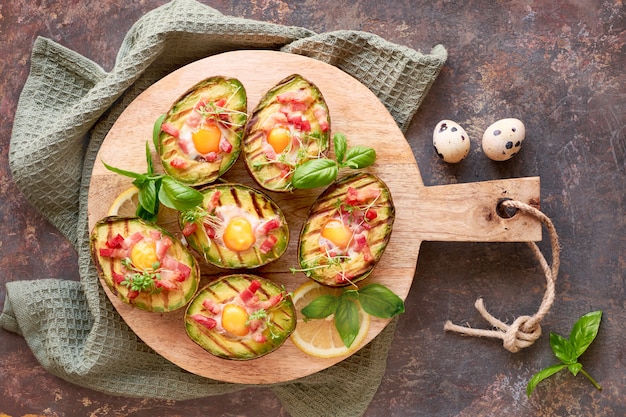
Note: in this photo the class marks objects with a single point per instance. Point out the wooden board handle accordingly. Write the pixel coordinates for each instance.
(468, 212)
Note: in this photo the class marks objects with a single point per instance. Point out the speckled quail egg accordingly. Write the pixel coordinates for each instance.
(451, 142)
(503, 139)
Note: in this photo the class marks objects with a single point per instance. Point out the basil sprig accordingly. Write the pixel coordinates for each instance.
(569, 350)
(321, 172)
(375, 299)
(157, 189)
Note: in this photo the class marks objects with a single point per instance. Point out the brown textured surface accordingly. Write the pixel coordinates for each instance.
(557, 66)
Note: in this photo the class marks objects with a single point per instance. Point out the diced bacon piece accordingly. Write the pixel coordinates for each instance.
(162, 246)
(131, 240)
(211, 306)
(269, 225)
(167, 280)
(210, 231)
(184, 146)
(118, 278)
(132, 294)
(221, 102)
(211, 157)
(177, 271)
(189, 229)
(214, 202)
(268, 244)
(299, 121)
(207, 322)
(321, 116)
(259, 337)
(269, 151)
(363, 247)
(302, 95)
(370, 214)
(285, 170)
(254, 324)
(178, 163)
(200, 104)
(278, 119)
(247, 295)
(170, 129)
(193, 120)
(115, 242)
(362, 195)
(114, 253)
(225, 145)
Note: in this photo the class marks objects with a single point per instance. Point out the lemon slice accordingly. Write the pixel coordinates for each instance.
(319, 337)
(125, 204)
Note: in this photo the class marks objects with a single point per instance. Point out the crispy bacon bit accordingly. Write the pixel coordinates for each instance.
(363, 247)
(211, 157)
(269, 151)
(132, 294)
(370, 214)
(322, 117)
(189, 229)
(178, 163)
(268, 244)
(162, 245)
(118, 278)
(221, 102)
(302, 95)
(115, 242)
(193, 120)
(362, 195)
(207, 322)
(200, 104)
(170, 129)
(211, 306)
(215, 201)
(259, 337)
(247, 295)
(225, 145)
(113, 253)
(269, 225)
(210, 231)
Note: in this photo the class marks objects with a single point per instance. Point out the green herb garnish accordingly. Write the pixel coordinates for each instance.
(157, 189)
(375, 299)
(323, 171)
(569, 350)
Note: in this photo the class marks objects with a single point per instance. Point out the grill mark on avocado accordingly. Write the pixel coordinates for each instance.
(255, 204)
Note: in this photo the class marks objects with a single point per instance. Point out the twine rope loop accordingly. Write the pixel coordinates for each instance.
(525, 329)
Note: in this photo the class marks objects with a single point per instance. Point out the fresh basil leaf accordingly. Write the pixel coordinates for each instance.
(149, 160)
(359, 157)
(148, 197)
(315, 173)
(122, 171)
(147, 216)
(347, 320)
(156, 131)
(562, 348)
(379, 301)
(178, 196)
(575, 368)
(585, 331)
(321, 307)
(541, 375)
(341, 144)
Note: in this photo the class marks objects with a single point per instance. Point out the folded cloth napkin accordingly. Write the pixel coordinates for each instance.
(67, 106)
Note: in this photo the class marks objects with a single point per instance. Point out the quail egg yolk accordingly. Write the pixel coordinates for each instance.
(207, 138)
(238, 235)
(279, 138)
(234, 319)
(337, 232)
(143, 255)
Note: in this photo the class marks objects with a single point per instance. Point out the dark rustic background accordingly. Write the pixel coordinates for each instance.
(558, 66)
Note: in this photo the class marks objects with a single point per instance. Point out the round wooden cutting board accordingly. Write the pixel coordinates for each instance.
(460, 212)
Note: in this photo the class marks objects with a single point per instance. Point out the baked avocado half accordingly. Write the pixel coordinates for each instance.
(347, 230)
(143, 264)
(289, 126)
(236, 226)
(200, 137)
(240, 317)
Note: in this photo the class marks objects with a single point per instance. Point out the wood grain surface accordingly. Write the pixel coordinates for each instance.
(458, 212)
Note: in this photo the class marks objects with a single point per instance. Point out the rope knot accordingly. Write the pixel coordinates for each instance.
(525, 329)
(520, 334)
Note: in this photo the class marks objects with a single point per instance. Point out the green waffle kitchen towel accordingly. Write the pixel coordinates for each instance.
(67, 106)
